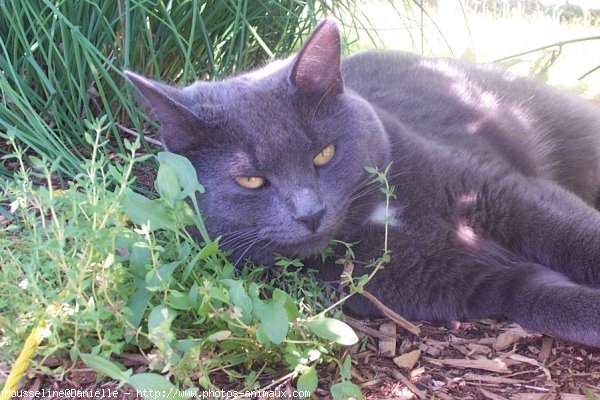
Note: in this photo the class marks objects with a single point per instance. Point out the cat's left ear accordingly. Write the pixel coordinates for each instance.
(316, 68)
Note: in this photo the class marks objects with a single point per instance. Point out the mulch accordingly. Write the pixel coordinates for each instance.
(486, 359)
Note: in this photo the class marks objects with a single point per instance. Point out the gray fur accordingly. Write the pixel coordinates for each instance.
(495, 179)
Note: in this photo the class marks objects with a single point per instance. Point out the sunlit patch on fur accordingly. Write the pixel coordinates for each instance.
(466, 233)
(468, 199)
(378, 216)
(444, 67)
(266, 71)
(522, 116)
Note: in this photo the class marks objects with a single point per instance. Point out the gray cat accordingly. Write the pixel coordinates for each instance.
(495, 179)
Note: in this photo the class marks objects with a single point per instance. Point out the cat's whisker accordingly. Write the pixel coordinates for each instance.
(237, 235)
(244, 253)
(265, 245)
(243, 242)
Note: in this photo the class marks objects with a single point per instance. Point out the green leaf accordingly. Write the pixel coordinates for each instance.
(159, 323)
(210, 249)
(140, 259)
(333, 329)
(239, 298)
(218, 336)
(106, 367)
(37, 162)
(142, 210)
(279, 296)
(56, 164)
(166, 183)
(161, 276)
(185, 172)
(138, 303)
(372, 170)
(179, 300)
(273, 319)
(346, 390)
(155, 387)
(308, 381)
(346, 369)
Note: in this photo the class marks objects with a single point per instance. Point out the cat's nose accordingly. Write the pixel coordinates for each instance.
(307, 208)
(312, 221)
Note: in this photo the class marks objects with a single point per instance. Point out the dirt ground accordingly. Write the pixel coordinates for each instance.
(479, 360)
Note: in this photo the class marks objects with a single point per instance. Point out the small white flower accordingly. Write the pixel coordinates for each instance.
(24, 284)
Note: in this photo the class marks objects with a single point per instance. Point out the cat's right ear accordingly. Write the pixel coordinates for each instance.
(180, 126)
(316, 68)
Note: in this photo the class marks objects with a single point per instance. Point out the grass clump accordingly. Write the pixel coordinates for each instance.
(113, 272)
(62, 61)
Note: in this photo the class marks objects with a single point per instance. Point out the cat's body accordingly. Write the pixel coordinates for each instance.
(494, 179)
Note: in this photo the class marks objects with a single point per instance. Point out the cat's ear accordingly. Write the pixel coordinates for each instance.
(180, 126)
(317, 66)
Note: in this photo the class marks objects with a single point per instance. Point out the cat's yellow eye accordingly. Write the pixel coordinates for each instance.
(324, 156)
(250, 182)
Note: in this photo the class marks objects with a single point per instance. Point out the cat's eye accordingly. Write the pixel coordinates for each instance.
(250, 182)
(324, 156)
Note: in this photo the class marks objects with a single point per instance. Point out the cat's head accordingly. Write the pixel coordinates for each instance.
(281, 150)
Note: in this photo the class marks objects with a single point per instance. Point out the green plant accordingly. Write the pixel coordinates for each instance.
(62, 62)
(112, 271)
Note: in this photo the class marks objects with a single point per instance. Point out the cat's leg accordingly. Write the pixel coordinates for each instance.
(532, 295)
(542, 300)
(541, 222)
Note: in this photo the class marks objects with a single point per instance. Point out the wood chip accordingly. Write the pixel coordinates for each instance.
(359, 326)
(546, 350)
(371, 383)
(518, 330)
(505, 340)
(531, 361)
(432, 351)
(495, 365)
(569, 396)
(533, 396)
(442, 395)
(391, 314)
(492, 379)
(387, 347)
(408, 360)
(406, 382)
(483, 341)
(491, 395)
(475, 348)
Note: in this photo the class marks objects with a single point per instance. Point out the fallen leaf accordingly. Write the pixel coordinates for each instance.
(408, 360)
(505, 340)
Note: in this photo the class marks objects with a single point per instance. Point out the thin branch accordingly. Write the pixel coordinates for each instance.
(589, 72)
(391, 314)
(559, 44)
(134, 133)
(374, 333)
